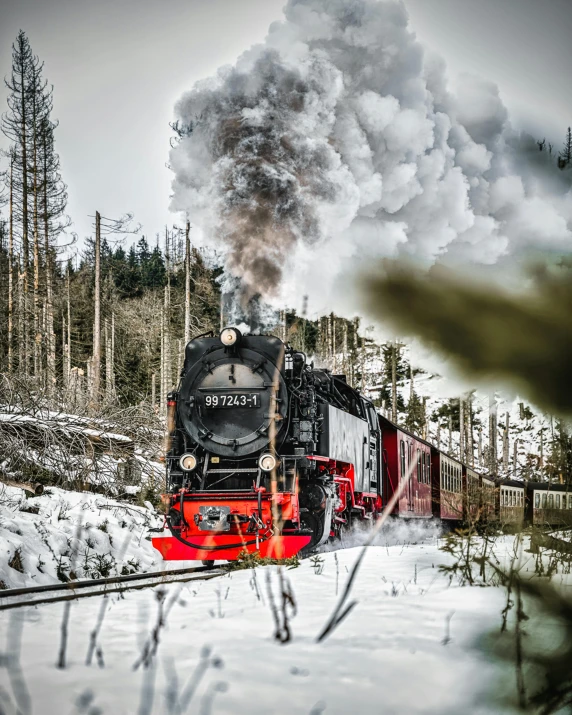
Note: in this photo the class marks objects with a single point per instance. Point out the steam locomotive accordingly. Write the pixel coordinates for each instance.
(267, 453)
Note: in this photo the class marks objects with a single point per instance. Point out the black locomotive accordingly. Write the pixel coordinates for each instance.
(266, 452)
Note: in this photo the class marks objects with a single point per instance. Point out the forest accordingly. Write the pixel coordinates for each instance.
(97, 327)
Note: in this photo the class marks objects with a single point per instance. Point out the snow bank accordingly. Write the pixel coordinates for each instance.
(46, 539)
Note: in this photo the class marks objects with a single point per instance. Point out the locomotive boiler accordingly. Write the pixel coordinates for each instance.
(267, 453)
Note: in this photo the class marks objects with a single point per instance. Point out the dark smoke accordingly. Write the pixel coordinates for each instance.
(524, 340)
(269, 173)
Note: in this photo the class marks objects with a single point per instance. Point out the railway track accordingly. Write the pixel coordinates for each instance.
(73, 590)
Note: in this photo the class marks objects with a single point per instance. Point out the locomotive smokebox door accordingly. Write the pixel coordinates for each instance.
(232, 404)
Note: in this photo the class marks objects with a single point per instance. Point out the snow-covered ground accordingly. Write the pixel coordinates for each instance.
(410, 645)
(44, 539)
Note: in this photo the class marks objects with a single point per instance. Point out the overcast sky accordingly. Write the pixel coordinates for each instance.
(118, 66)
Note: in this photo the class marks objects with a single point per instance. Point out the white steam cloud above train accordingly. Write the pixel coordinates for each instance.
(339, 141)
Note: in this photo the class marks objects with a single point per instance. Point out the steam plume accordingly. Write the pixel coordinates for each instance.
(339, 141)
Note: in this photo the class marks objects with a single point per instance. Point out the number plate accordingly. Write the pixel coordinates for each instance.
(232, 399)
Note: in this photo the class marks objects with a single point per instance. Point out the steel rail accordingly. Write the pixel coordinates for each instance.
(99, 587)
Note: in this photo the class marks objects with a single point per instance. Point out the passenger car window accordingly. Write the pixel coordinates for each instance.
(558, 501)
(536, 500)
(551, 501)
(544, 501)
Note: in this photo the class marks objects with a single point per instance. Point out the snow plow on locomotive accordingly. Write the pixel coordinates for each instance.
(266, 453)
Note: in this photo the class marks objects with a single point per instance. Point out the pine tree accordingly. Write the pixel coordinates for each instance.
(16, 127)
(565, 156)
(392, 357)
(37, 203)
(415, 414)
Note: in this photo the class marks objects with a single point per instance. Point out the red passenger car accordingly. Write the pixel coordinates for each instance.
(402, 452)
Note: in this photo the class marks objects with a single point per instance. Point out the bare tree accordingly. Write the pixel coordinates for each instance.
(461, 429)
(394, 355)
(96, 356)
(187, 336)
(103, 227)
(506, 444)
(492, 434)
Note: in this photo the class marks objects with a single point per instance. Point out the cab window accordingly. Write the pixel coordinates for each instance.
(402, 451)
(372, 417)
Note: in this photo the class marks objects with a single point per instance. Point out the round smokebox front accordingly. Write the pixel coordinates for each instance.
(227, 403)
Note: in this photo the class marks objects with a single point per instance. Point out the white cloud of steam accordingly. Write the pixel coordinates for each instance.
(395, 532)
(338, 142)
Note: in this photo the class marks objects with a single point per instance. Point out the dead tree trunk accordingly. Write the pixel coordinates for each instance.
(470, 434)
(113, 354)
(480, 448)
(50, 334)
(450, 434)
(23, 318)
(153, 391)
(108, 359)
(394, 382)
(333, 335)
(411, 388)
(187, 283)
(36, 316)
(22, 335)
(166, 361)
(345, 349)
(11, 270)
(64, 355)
(68, 351)
(515, 458)
(163, 378)
(492, 435)
(462, 429)
(505, 443)
(96, 359)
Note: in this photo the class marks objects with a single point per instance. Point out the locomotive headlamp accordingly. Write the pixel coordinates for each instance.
(229, 336)
(188, 462)
(267, 462)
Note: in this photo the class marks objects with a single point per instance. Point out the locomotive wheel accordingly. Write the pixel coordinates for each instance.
(315, 524)
(209, 563)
